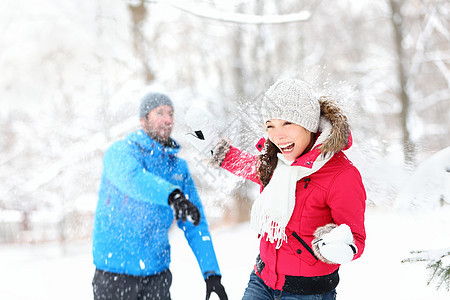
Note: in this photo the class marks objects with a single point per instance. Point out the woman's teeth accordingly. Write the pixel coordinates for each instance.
(287, 147)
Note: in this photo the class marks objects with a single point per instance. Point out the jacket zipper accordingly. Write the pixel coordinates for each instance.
(307, 180)
(304, 244)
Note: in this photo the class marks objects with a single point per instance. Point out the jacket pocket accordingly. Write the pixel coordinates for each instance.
(301, 249)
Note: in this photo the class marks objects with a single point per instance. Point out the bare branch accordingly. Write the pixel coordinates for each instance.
(214, 14)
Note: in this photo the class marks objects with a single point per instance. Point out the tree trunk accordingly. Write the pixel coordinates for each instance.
(397, 24)
(138, 15)
(241, 199)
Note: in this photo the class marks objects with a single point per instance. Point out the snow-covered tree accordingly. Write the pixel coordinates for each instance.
(438, 264)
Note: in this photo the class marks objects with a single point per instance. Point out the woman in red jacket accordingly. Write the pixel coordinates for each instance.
(310, 213)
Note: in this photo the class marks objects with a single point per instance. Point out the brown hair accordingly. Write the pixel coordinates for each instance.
(269, 159)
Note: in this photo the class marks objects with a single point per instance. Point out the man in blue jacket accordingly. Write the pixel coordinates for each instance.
(144, 186)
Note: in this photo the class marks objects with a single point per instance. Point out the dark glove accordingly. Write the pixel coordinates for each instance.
(183, 208)
(213, 285)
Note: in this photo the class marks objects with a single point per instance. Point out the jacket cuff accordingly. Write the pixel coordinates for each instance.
(208, 274)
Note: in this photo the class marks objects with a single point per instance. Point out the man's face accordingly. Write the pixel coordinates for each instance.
(159, 122)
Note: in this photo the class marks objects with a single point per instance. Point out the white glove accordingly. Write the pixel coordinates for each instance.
(337, 246)
(204, 132)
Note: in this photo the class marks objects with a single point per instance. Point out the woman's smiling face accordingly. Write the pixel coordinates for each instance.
(292, 139)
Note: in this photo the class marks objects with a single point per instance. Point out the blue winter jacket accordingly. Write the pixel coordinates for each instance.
(132, 218)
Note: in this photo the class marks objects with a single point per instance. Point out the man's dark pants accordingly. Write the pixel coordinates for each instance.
(113, 286)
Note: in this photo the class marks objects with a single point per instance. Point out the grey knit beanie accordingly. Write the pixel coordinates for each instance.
(152, 100)
(292, 100)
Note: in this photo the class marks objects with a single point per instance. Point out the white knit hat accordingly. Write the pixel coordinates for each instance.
(292, 100)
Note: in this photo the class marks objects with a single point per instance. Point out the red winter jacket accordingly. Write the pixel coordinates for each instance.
(333, 194)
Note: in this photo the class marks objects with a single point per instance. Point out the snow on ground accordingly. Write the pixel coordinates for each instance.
(38, 272)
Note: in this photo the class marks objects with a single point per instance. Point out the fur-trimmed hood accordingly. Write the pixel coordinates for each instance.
(337, 137)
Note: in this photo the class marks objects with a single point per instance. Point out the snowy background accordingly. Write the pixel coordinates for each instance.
(72, 74)
(42, 272)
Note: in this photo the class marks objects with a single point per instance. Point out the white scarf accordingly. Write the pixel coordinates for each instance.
(273, 208)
